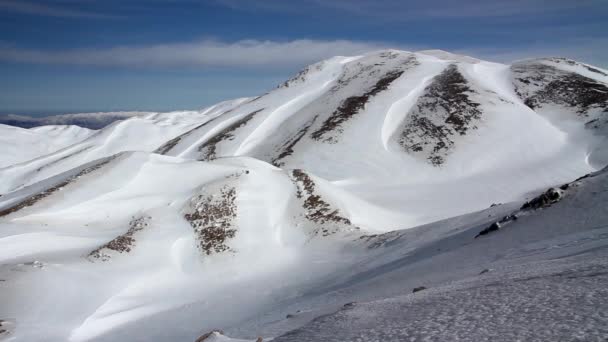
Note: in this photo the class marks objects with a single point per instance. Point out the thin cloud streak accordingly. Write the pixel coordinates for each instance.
(241, 54)
(276, 55)
(417, 10)
(32, 8)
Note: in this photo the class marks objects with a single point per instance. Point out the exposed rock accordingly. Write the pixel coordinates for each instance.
(206, 336)
(350, 107)
(287, 148)
(418, 289)
(208, 148)
(538, 83)
(317, 209)
(444, 111)
(546, 199)
(349, 305)
(122, 243)
(492, 228)
(212, 218)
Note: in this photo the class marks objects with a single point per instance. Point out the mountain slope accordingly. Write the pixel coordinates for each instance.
(356, 180)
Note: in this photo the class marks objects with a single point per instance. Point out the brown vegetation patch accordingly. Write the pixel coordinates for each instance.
(573, 91)
(539, 84)
(123, 243)
(212, 220)
(287, 148)
(208, 148)
(317, 210)
(351, 106)
(445, 110)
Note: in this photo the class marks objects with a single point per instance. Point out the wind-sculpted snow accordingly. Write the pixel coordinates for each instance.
(208, 149)
(444, 111)
(388, 196)
(38, 142)
(37, 197)
(332, 127)
(287, 148)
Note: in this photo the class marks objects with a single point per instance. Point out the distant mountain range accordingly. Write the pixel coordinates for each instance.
(87, 120)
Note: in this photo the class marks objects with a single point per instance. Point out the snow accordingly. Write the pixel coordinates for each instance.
(311, 201)
(19, 145)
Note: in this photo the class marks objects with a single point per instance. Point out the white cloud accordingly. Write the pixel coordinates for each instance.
(208, 53)
(276, 55)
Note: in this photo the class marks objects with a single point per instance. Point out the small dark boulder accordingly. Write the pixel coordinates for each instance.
(418, 289)
(546, 199)
(493, 227)
(209, 334)
(349, 305)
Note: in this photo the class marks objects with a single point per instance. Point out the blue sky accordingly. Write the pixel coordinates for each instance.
(103, 55)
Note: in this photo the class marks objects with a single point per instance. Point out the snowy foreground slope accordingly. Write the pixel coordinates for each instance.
(312, 212)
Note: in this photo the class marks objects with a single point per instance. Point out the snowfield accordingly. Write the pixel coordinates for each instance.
(392, 196)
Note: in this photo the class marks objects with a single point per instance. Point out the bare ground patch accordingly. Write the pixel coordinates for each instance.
(317, 210)
(444, 111)
(350, 107)
(122, 243)
(287, 148)
(212, 216)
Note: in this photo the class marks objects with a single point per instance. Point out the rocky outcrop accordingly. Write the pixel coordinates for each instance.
(443, 112)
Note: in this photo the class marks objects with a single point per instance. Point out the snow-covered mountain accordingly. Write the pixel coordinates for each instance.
(355, 180)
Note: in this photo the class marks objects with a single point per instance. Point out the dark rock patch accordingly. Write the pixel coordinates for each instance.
(287, 148)
(492, 228)
(350, 107)
(317, 209)
(418, 289)
(208, 149)
(444, 111)
(539, 84)
(213, 220)
(206, 336)
(122, 243)
(545, 199)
